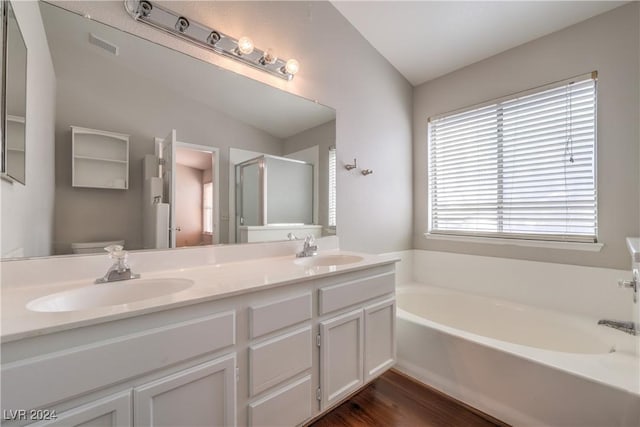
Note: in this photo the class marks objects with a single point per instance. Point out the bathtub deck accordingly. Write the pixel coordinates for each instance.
(395, 400)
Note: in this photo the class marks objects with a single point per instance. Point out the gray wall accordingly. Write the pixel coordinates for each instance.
(339, 68)
(27, 210)
(608, 43)
(84, 214)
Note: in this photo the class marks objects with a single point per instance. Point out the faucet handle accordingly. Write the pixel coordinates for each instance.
(116, 251)
(633, 284)
(626, 283)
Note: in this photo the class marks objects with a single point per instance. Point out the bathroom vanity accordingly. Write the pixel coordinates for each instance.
(271, 341)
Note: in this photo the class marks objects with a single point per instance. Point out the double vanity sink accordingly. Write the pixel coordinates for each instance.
(129, 291)
(248, 341)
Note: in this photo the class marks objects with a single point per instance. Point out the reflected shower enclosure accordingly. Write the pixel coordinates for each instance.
(274, 190)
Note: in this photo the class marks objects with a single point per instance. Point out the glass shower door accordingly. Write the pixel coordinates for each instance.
(249, 206)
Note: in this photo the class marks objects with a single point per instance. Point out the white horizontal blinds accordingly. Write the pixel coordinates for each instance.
(521, 167)
(207, 207)
(332, 187)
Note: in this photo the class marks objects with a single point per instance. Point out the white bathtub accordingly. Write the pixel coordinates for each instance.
(523, 365)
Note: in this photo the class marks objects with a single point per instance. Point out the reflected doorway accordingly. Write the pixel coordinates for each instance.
(196, 195)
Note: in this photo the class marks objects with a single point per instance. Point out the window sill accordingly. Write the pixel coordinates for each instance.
(330, 231)
(573, 246)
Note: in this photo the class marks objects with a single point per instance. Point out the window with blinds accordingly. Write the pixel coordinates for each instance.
(519, 167)
(332, 188)
(207, 208)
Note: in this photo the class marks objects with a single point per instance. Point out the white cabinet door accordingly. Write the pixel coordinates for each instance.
(111, 411)
(204, 395)
(379, 338)
(341, 356)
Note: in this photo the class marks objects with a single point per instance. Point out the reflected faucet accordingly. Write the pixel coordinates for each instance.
(120, 269)
(309, 248)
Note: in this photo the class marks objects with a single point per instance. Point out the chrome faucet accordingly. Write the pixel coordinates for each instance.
(633, 284)
(628, 327)
(120, 269)
(309, 248)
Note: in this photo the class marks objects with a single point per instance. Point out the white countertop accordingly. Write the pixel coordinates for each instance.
(212, 282)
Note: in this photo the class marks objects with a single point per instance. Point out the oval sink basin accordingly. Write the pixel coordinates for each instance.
(328, 260)
(108, 294)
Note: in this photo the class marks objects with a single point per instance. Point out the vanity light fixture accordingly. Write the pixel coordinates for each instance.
(243, 49)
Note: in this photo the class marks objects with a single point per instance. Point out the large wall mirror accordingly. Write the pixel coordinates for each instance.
(152, 148)
(14, 97)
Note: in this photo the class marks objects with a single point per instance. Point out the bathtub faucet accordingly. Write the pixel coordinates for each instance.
(628, 327)
(633, 284)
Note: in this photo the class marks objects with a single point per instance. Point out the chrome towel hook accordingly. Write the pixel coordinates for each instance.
(351, 166)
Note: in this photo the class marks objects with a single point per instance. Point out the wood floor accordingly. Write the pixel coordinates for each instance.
(395, 400)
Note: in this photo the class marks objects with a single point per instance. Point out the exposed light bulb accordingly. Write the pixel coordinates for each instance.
(268, 57)
(292, 66)
(245, 46)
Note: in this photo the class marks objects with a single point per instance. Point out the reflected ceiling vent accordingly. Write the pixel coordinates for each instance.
(102, 43)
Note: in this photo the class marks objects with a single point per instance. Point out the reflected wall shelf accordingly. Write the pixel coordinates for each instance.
(100, 159)
(15, 132)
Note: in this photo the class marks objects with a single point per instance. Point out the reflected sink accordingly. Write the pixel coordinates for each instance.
(108, 294)
(328, 260)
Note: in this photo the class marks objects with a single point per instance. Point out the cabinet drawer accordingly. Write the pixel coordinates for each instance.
(113, 411)
(343, 295)
(288, 406)
(270, 317)
(278, 359)
(80, 369)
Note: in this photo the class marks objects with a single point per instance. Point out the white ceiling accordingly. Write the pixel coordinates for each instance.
(427, 39)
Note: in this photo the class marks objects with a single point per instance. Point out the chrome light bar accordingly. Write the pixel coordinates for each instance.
(242, 50)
